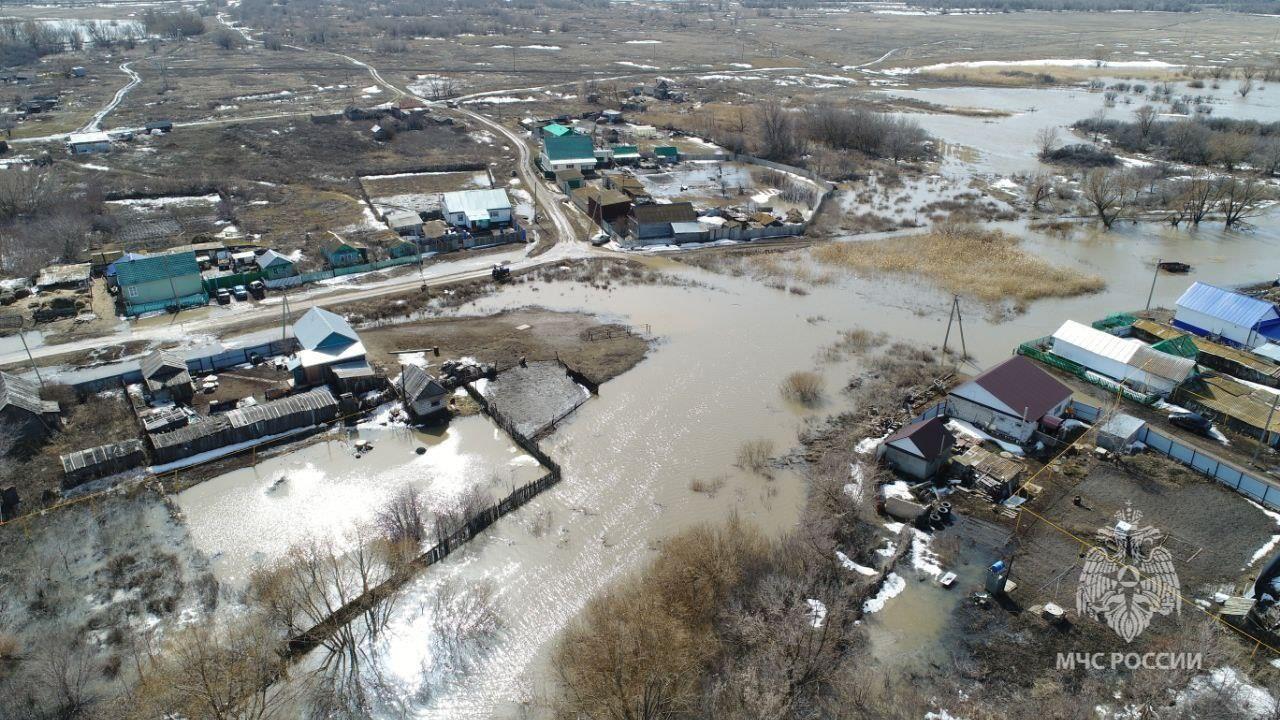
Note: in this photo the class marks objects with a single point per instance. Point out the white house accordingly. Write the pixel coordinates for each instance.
(1124, 360)
(919, 449)
(1009, 399)
(477, 209)
(422, 393)
(89, 142)
(1237, 319)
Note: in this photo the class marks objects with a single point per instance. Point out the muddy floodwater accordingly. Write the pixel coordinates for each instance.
(710, 383)
(252, 516)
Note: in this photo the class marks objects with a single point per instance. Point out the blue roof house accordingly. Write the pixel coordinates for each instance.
(158, 282)
(1233, 318)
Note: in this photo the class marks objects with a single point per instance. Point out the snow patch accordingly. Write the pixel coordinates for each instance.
(892, 588)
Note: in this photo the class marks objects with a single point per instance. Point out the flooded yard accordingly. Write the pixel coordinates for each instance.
(250, 517)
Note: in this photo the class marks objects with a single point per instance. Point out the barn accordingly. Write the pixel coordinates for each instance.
(1227, 316)
(1124, 360)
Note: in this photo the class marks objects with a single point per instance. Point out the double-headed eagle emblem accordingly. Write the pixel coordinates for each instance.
(1129, 577)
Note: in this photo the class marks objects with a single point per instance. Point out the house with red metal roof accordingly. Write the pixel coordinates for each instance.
(1010, 399)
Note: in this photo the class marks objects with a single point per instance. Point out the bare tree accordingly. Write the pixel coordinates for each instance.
(402, 524)
(1229, 149)
(1145, 117)
(1099, 55)
(1266, 156)
(1193, 200)
(779, 136)
(1046, 140)
(1104, 191)
(1240, 199)
(1039, 188)
(1244, 88)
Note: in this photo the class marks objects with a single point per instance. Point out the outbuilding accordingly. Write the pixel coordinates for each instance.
(919, 449)
(1009, 399)
(405, 223)
(1125, 360)
(1227, 316)
(423, 395)
(82, 466)
(23, 413)
(90, 142)
(167, 377)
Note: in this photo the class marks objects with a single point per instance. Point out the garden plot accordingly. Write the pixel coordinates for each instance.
(154, 223)
(419, 192)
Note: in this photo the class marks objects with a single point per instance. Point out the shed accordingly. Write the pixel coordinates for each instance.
(1009, 399)
(159, 126)
(255, 422)
(82, 466)
(652, 221)
(918, 449)
(404, 222)
(22, 410)
(1124, 360)
(569, 179)
(89, 142)
(74, 275)
(683, 232)
(556, 130)
(421, 392)
(1234, 318)
(624, 154)
(666, 153)
(1120, 432)
(166, 376)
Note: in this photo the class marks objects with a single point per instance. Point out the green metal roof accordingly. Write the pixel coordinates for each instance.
(556, 129)
(1182, 346)
(666, 151)
(157, 267)
(570, 147)
(626, 150)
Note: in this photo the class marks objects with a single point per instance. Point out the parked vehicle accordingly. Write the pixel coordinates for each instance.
(257, 289)
(1192, 422)
(501, 273)
(600, 239)
(223, 295)
(240, 293)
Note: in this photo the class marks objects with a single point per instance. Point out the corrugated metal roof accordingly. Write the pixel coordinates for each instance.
(271, 257)
(664, 213)
(927, 439)
(556, 130)
(317, 399)
(1019, 385)
(156, 267)
(96, 455)
(572, 147)
(418, 382)
(1225, 305)
(476, 201)
(319, 327)
(22, 393)
(1128, 351)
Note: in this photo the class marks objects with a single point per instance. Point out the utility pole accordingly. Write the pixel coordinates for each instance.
(1266, 428)
(1154, 276)
(22, 335)
(958, 319)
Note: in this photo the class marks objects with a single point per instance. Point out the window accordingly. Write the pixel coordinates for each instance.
(131, 291)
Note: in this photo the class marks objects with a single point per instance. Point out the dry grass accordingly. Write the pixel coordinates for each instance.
(754, 455)
(708, 487)
(803, 387)
(986, 264)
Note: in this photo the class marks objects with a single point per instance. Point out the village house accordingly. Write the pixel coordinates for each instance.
(275, 266)
(627, 184)
(405, 223)
(159, 282)
(422, 394)
(603, 206)
(666, 153)
(1010, 399)
(1227, 316)
(331, 352)
(624, 154)
(1125, 360)
(652, 222)
(339, 253)
(918, 450)
(404, 247)
(23, 414)
(166, 377)
(571, 151)
(90, 142)
(477, 209)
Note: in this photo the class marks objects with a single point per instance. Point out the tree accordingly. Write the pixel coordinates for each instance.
(1230, 149)
(227, 39)
(1245, 87)
(1039, 187)
(1188, 141)
(1046, 140)
(779, 136)
(1193, 200)
(1266, 156)
(1104, 191)
(1099, 55)
(1240, 199)
(1145, 117)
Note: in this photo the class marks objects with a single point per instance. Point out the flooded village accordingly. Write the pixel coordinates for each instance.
(886, 361)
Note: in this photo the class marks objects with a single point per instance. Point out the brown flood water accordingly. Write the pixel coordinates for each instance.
(629, 455)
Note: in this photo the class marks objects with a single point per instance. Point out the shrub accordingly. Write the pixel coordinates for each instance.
(803, 387)
(754, 455)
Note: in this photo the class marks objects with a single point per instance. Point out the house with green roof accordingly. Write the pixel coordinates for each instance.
(666, 153)
(556, 130)
(624, 154)
(339, 253)
(275, 266)
(570, 152)
(160, 282)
